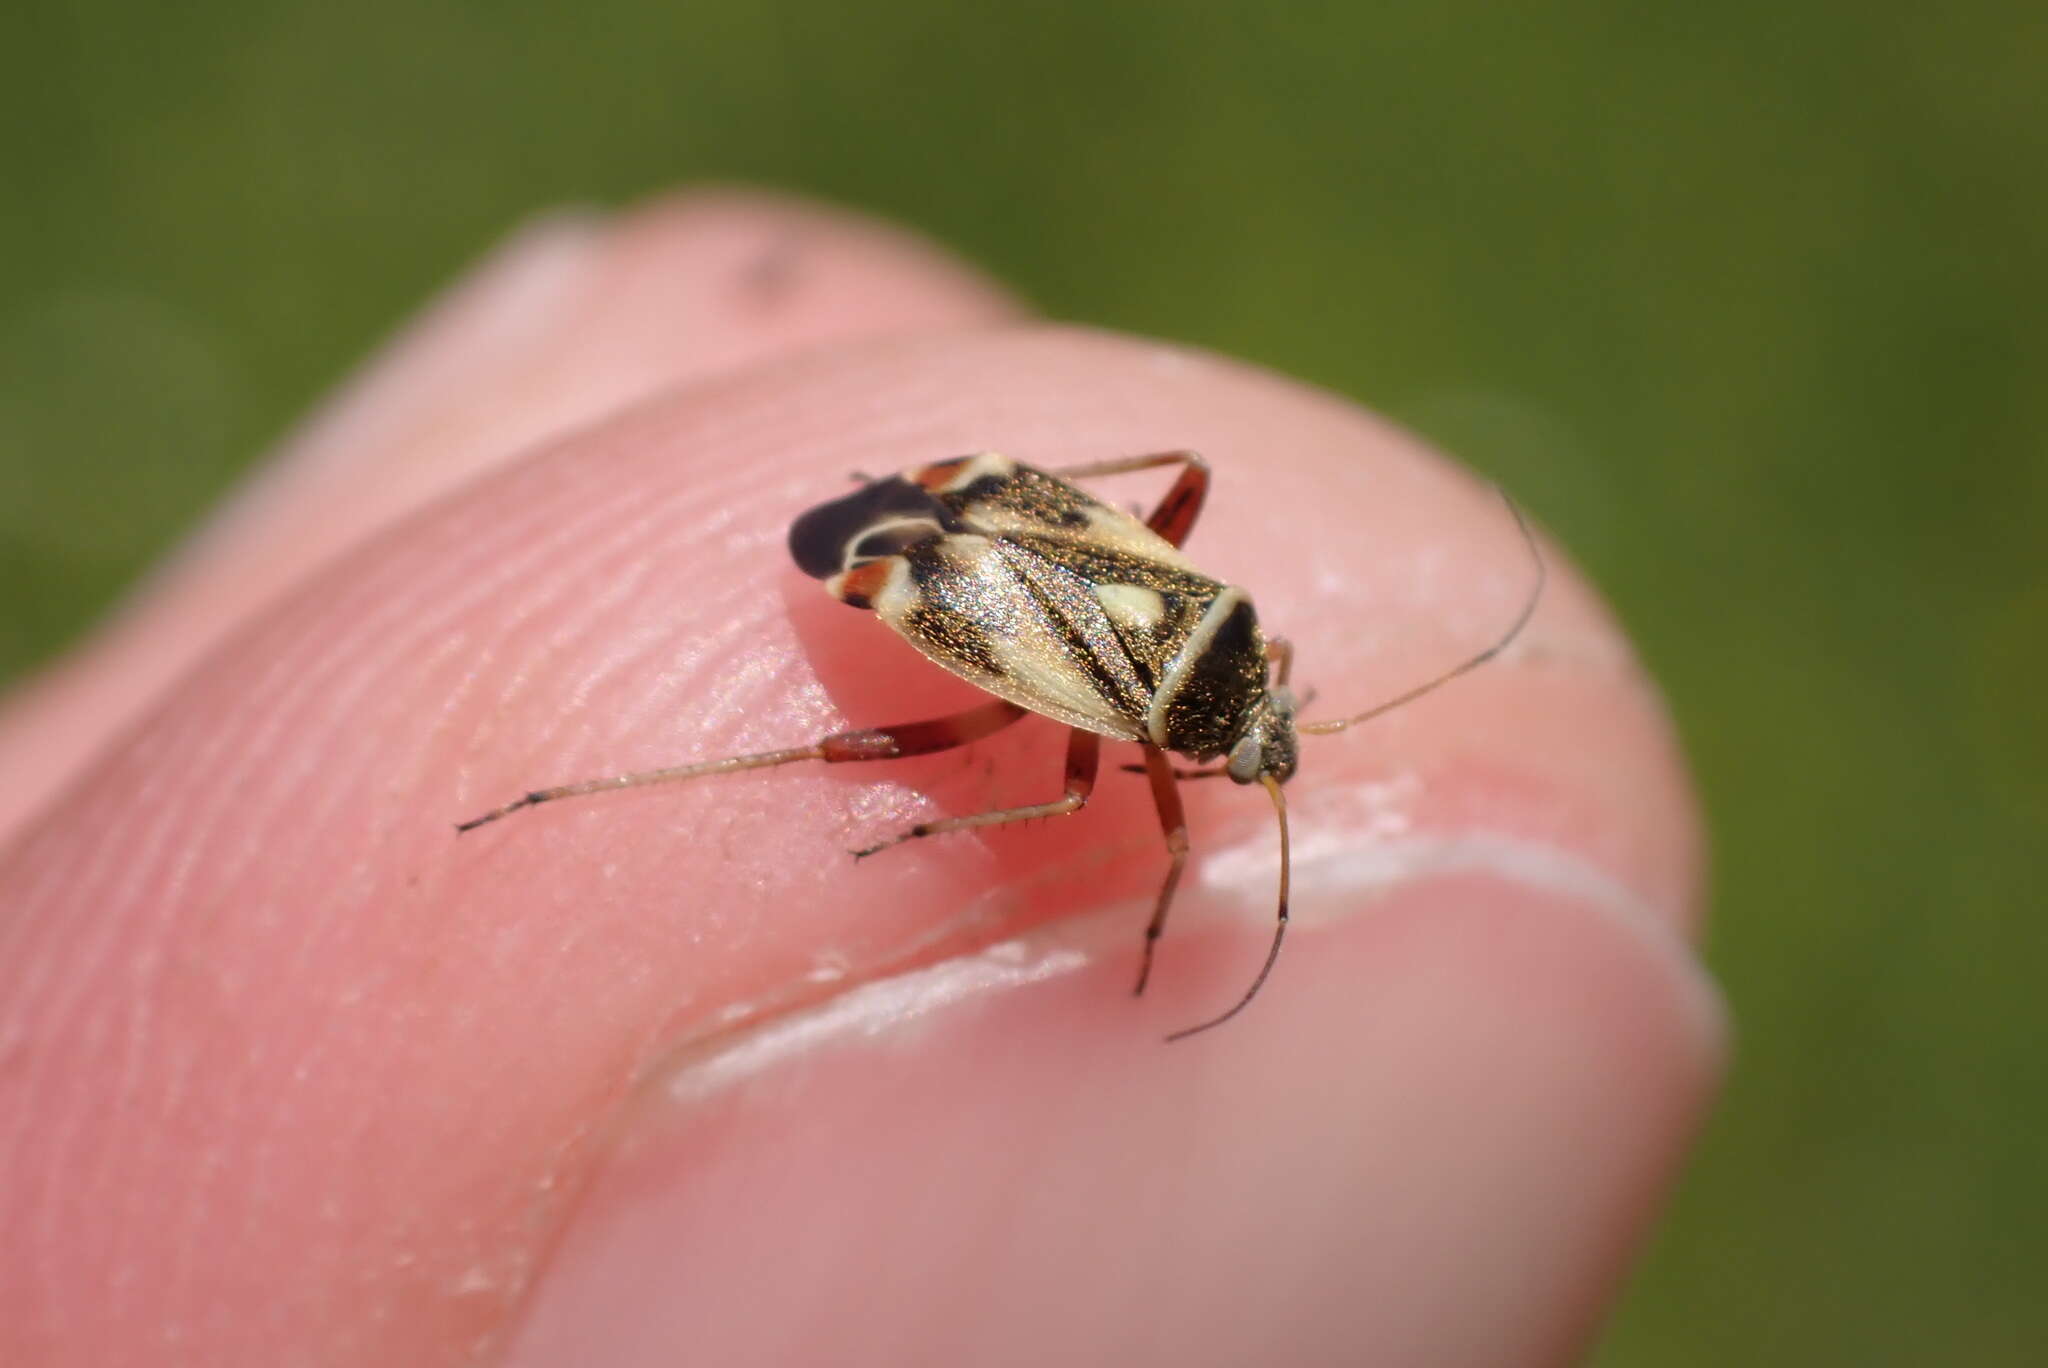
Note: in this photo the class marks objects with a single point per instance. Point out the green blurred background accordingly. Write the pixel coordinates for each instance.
(1746, 301)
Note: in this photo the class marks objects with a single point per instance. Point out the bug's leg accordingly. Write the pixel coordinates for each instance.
(1179, 773)
(1084, 749)
(865, 743)
(1173, 822)
(1176, 514)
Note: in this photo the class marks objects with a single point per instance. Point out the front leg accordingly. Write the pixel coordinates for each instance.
(1173, 824)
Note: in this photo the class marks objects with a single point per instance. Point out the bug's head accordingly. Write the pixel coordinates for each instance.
(1267, 745)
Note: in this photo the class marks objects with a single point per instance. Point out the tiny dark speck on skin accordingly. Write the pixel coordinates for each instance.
(770, 277)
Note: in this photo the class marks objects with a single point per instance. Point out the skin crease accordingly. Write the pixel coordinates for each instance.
(293, 1076)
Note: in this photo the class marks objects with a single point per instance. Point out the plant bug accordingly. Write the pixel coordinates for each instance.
(1056, 603)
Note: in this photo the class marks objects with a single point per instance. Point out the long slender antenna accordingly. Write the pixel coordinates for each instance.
(1464, 667)
(1272, 786)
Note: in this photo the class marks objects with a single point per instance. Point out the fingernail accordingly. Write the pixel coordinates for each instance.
(1435, 1138)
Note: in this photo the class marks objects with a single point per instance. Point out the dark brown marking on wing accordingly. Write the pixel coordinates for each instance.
(936, 619)
(1026, 493)
(1100, 564)
(1184, 596)
(1084, 628)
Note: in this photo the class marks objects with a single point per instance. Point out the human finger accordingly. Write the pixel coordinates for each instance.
(405, 1072)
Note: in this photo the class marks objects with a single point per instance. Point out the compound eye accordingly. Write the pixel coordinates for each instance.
(1246, 755)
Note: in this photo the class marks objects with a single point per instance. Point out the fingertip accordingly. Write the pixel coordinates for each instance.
(470, 1016)
(1439, 1138)
(574, 315)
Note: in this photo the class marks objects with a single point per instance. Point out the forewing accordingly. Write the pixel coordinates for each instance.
(1019, 627)
(1040, 594)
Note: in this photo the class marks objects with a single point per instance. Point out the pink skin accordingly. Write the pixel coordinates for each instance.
(293, 1075)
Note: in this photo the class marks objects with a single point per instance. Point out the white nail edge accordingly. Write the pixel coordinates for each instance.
(1332, 877)
(871, 1010)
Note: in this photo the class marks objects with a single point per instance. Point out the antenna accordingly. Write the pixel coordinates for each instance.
(1466, 666)
(1272, 786)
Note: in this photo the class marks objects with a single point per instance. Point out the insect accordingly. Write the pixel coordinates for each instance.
(1056, 603)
